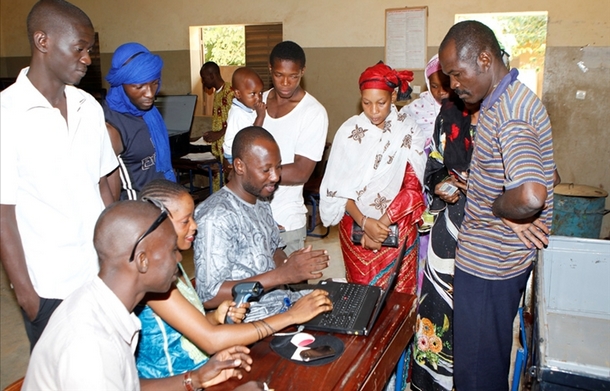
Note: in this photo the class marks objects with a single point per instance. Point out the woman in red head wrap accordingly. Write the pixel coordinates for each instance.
(374, 179)
(382, 77)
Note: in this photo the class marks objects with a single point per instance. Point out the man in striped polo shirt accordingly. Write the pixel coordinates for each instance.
(509, 204)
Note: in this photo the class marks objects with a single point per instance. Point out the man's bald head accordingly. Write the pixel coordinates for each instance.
(247, 140)
(119, 227)
(53, 15)
(127, 227)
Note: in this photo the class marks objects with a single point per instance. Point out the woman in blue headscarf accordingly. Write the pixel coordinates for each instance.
(137, 131)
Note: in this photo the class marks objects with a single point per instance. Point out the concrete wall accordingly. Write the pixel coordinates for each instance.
(343, 37)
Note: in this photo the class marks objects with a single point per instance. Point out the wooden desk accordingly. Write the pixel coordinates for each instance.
(366, 363)
(204, 167)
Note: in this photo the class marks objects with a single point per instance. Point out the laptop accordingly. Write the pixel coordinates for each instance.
(355, 306)
(177, 112)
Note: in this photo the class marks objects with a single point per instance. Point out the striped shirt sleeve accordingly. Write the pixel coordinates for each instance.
(522, 155)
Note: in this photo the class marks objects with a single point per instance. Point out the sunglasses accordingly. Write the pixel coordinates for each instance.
(153, 226)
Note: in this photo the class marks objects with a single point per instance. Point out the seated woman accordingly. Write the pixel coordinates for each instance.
(177, 336)
(374, 179)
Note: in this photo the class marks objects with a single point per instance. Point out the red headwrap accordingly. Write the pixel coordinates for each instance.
(382, 77)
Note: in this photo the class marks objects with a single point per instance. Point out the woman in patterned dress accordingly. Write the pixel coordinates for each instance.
(448, 160)
(374, 179)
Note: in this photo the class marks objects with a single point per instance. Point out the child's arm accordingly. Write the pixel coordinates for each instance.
(261, 110)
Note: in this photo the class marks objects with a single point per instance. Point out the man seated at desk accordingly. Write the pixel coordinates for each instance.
(90, 339)
(238, 239)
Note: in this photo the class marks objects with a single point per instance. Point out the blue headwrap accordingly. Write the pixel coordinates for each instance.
(132, 63)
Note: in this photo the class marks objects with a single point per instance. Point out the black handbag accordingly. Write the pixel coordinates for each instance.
(390, 241)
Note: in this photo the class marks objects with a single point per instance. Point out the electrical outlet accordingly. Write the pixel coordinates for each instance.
(581, 94)
(417, 89)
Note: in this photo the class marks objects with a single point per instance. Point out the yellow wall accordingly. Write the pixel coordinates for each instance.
(163, 25)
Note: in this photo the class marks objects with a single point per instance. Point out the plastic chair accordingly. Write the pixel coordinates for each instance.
(402, 369)
(521, 359)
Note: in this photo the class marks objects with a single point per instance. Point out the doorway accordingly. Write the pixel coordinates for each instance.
(231, 47)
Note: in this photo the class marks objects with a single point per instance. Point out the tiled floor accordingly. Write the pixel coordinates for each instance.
(14, 345)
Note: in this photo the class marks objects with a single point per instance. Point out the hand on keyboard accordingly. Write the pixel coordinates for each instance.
(308, 306)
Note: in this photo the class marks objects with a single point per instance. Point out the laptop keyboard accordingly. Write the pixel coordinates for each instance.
(347, 302)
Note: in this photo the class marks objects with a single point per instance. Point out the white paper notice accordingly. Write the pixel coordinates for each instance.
(406, 46)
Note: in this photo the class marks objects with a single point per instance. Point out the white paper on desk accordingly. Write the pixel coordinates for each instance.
(200, 141)
(301, 340)
(200, 156)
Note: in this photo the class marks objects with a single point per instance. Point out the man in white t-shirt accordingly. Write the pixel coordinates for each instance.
(90, 340)
(55, 158)
(299, 124)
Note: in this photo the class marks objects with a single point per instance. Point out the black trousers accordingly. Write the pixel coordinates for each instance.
(484, 311)
(34, 328)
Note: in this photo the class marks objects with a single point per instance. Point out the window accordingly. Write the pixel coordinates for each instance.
(225, 45)
(523, 36)
(231, 47)
(260, 40)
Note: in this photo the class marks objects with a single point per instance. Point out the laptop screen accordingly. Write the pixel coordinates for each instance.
(391, 280)
(177, 112)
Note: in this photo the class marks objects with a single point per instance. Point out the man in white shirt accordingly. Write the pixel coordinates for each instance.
(90, 339)
(55, 156)
(299, 124)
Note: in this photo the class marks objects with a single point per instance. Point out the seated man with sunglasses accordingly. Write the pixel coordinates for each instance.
(90, 339)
